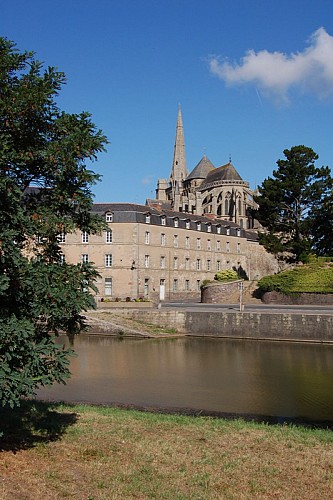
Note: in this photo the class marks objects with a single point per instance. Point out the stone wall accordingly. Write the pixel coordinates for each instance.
(301, 299)
(221, 293)
(259, 326)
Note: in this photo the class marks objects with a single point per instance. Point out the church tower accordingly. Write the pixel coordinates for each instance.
(178, 171)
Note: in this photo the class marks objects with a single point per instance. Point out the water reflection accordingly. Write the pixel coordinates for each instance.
(231, 376)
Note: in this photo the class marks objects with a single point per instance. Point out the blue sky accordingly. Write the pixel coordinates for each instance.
(252, 77)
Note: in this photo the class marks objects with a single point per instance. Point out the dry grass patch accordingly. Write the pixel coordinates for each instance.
(105, 453)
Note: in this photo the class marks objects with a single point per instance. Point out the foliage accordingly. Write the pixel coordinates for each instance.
(316, 277)
(226, 275)
(45, 190)
(288, 205)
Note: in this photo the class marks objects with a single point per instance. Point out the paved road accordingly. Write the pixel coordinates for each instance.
(262, 308)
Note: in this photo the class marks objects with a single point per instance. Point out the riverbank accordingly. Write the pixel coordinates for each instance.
(70, 451)
(295, 326)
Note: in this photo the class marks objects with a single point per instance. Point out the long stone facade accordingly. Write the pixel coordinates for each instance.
(161, 254)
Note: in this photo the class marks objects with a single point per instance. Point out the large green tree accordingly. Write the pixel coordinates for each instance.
(45, 191)
(288, 204)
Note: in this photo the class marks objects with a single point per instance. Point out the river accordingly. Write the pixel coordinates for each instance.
(278, 379)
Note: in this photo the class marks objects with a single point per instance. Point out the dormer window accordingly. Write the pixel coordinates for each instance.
(187, 224)
(228, 230)
(209, 228)
(198, 226)
(147, 218)
(163, 220)
(238, 231)
(218, 229)
(109, 217)
(176, 221)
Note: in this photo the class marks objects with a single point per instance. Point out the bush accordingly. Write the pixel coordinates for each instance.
(226, 275)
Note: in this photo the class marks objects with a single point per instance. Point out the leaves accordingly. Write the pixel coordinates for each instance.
(287, 201)
(45, 189)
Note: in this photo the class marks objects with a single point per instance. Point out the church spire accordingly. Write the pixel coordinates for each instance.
(178, 172)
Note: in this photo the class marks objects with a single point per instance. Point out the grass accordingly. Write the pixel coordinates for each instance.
(311, 278)
(52, 451)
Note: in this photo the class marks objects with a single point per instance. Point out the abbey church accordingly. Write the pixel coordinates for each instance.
(220, 193)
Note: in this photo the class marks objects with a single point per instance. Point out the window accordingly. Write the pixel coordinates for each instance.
(61, 259)
(218, 265)
(238, 231)
(175, 241)
(238, 247)
(85, 237)
(176, 222)
(62, 238)
(108, 236)
(163, 240)
(218, 246)
(146, 287)
(108, 286)
(175, 262)
(109, 217)
(198, 286)
(187, 263)
(198, 244)
(84, 258)
(163, 220)
(146, 261)
(209, 228)
(198, 264)
(187, 242)
(147, 237)
(175, 285)
(147, 218)
(198, 226)
(187, 285)
(209, 265)
(162, 262)
(187, 224)
(227, 247)
(218, 229)
(108, 260)
(209, 245)
(228, 231)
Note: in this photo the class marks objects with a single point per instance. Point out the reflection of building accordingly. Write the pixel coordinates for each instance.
(220, 192)
(152, 252)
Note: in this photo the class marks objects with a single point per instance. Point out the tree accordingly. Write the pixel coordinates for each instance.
(322, 227)
(45, 190)
(287, 204)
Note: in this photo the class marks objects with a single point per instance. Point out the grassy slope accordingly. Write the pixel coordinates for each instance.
(311, 278)
(84, 452)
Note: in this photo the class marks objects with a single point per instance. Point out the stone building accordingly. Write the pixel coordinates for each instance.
(220, 192)
(159, 253)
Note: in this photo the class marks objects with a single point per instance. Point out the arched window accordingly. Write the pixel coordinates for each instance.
(239, 205)
(227, 203)
(219, 210)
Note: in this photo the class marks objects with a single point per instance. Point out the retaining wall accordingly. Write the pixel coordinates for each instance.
(272, 326)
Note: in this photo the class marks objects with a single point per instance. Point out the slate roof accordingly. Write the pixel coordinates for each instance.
(201, 170)
(224, 173)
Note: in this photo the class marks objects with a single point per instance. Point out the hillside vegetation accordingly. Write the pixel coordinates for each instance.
(316, 277)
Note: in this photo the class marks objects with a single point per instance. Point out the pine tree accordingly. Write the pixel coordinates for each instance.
(287, 203)
(45, 191)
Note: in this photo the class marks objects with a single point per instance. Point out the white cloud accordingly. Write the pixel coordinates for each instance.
(276, 73)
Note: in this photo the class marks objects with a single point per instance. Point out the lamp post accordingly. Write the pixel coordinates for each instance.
(241, 288)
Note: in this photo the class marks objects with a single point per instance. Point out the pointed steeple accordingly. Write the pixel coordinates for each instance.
(178, 172)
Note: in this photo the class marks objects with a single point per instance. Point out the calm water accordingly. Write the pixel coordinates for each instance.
(230, 376)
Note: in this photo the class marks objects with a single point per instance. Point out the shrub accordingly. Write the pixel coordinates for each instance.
(226, 275)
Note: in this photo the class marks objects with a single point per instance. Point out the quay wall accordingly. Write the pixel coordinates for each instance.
(253, 325)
